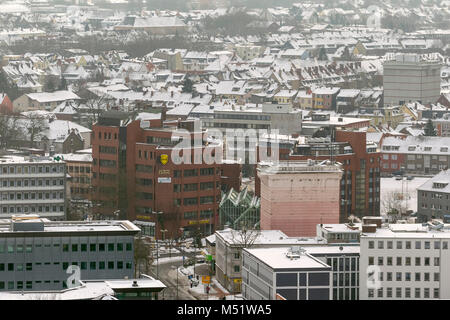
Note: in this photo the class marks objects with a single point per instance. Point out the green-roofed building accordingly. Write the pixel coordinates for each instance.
(239, 209)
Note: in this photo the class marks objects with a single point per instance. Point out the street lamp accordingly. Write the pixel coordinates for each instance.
(176, 268)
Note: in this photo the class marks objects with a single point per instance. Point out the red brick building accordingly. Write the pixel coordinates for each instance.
(6, 105)
(134, 175)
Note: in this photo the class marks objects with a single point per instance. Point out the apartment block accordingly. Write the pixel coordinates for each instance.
(405, 261)
(408, 79)
(35, 185)
(433, 197)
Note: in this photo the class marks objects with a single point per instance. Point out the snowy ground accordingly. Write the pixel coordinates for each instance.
(409, 187)
(167, 260)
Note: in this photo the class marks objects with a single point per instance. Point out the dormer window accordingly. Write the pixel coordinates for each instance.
(444, 149)
(427, 149)
(411, 148)
(439, 185)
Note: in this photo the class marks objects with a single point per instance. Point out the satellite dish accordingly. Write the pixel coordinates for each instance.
(341, 248)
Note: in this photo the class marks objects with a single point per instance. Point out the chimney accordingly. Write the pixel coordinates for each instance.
(163, 113)
(369, 228)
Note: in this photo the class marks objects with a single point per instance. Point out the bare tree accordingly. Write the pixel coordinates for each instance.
(94, 108)
(244, 237)
(35, 125)
(10, 130)
(141, 256)
(394, 204)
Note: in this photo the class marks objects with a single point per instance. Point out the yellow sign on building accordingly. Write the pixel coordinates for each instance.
(164, 158)
(206, 279)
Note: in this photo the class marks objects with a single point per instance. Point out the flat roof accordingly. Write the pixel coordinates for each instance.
(72, 226)
(276, 259)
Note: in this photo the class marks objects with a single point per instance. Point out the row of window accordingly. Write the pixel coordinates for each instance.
(407, 276)
(83, 247)
(31, 183)
(407, 293)
(407, 261)
(31, 209)
(106, 136)
(5, 196)
(417, 245)
(193, 186)
(79, 169)
(106, 149)
(32, 169)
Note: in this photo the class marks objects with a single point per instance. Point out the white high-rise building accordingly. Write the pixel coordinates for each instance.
(32, 186)
(405, 261)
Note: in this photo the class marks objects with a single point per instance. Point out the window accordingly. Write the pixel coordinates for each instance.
(83, 247)
(119, 264)
(426, 261)
(92, 247)
(407, 276)
(380, 244)
(407, 292)
(389, 292)
(101, 265)
(389, 244)
(380, 261)
(426, 292)
(436, 293)
(110, 265)
(436, 261)
(398, 292)
(417, 293)
(417, 277)
(445, 245)
(417, 261)
(388, 276)
(407, 261)
(74, 247)
(371, 244)
(408, 245)
(92, 265)
(129, 246)
(427, 245)
(399, 261)
(398, 276)
(437, 245)
(436, 276)
(65, 247)
(389, 261)
(237, 269)
(110, 246)
(120, 247)
(399, 244)
(101, 247)
(418, 245)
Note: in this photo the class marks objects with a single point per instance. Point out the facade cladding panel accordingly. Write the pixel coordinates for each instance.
(286, 279)
(318, 279)
(319, 294)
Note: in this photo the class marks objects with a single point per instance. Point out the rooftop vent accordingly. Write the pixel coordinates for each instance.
(295, 253)
(135, 284)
